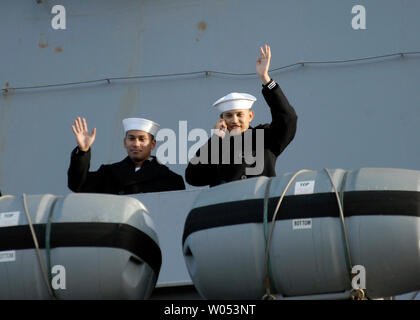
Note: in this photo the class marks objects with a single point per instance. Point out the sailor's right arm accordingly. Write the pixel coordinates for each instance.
(199, 173)
(79, 179)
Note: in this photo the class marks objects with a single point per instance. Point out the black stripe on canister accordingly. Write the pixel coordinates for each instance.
(85, 234)
(317, 205)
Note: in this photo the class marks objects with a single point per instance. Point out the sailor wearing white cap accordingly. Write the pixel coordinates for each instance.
(235, 117)
(235, 101)
(139, 172)
(235, 113)
(140, 124)
(142, 131)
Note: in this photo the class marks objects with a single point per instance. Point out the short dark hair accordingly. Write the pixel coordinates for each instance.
(152, 137)
(221, 115)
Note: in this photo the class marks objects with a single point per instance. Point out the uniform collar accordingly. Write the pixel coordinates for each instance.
(129, 162)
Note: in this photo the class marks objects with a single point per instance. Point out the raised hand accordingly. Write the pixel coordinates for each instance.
(263, 64)
(81, 132)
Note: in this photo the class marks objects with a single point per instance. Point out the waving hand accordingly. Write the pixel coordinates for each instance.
(81, 132)
(263, 64)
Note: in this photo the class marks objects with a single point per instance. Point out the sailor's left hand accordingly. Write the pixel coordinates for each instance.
(263, 64)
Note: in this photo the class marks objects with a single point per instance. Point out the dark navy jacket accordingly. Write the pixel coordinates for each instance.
(120, 177)
(277, 135)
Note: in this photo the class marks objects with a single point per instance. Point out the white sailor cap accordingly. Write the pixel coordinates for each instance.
(140, 124)
(235, 101)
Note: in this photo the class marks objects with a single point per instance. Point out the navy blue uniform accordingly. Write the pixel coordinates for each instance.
(277, 136)
(121, 177)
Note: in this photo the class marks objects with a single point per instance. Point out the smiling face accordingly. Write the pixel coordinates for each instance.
(237, 121)
(139, 145)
